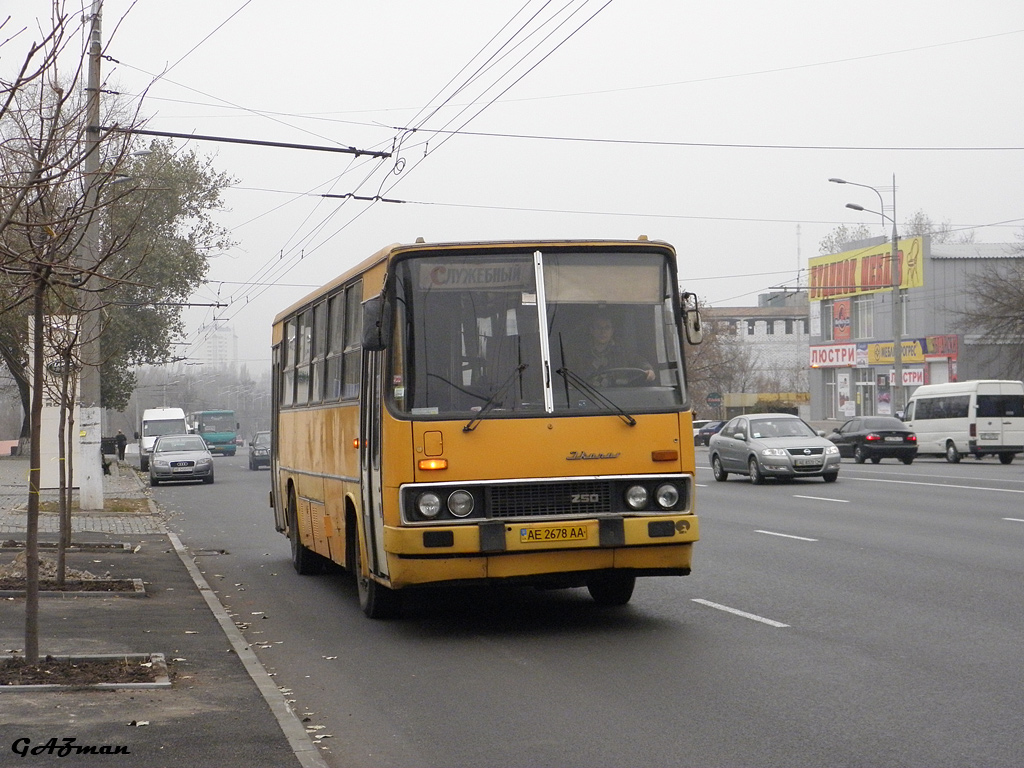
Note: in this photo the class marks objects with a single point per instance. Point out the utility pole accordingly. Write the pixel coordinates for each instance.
(90, 478)
(897, 313)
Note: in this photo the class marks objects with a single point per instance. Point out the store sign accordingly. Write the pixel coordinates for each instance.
(866, 270)
(834, 356)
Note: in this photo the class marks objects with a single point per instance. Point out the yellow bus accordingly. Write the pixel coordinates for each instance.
(494, 412)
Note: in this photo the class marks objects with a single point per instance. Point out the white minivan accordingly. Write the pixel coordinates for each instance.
(157, 422)
(968, 417)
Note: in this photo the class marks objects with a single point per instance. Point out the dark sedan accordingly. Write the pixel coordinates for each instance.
(704, 433)
(875, 438)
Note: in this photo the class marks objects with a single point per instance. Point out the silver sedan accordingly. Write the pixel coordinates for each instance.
(776, 445)
(180, 457)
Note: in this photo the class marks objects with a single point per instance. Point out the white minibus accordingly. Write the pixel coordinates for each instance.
(968, 417)
(157, 422)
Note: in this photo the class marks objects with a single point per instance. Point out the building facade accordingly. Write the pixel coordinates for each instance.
(853, 327)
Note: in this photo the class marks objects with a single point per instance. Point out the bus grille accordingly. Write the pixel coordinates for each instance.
(581, 497)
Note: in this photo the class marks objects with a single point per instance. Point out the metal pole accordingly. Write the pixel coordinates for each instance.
(90, 413)
(897, 313)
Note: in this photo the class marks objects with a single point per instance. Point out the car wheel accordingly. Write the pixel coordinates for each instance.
(952, 454)
(611, 589)
(907, 459)
(756, 477)
(830, 477)
(153, 481)
(859, 454)
(1005, 458)
(716, 467)
(208, 479)
(875, 459)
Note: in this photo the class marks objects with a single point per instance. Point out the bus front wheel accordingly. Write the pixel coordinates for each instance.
(376, 600)
(305, 561)
(611, 588)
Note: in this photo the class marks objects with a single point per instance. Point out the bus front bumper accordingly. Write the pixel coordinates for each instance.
(539, 552)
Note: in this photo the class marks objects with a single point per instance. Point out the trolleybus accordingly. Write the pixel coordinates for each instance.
(440, 418)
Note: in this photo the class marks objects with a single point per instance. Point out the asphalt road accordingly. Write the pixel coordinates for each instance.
(876, 621)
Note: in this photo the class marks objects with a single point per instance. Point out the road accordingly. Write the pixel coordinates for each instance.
(874, 621)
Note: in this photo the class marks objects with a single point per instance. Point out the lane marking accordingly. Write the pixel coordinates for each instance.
(744, 614)
(821, 498)
(786, 535)
(938, 485)
(1013, 519)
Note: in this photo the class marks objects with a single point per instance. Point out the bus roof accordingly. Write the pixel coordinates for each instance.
(388, 252)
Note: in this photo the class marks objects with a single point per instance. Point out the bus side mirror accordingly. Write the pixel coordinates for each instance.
(376, 324)
(136, 435)
(691, 318)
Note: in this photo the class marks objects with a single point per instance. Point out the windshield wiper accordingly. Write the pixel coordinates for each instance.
(493, 400)
(585, 386)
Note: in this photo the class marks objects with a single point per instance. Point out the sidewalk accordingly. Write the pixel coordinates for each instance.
(222, 709)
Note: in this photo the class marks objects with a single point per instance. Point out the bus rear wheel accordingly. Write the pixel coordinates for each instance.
(376, 600)
(611, 588)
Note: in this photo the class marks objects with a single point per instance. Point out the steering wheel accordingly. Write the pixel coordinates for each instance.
(622, 377)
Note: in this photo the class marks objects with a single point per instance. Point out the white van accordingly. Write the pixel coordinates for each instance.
(975, 417)
(156, 422)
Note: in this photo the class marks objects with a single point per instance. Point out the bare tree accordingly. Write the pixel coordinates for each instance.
(839, 239)
(47, 201)
(995, 312)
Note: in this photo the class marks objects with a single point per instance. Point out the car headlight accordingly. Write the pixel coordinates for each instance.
(203, 462)
(636, 497)
(774, 452)
(160, 463)
(832, 449)
(428, 504)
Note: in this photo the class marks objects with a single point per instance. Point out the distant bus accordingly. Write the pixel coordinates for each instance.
(218, 428)
(968, 417)
(434, 421)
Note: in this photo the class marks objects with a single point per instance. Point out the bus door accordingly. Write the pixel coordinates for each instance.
(370, 409)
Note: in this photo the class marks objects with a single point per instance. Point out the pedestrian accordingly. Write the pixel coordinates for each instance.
(121, 442)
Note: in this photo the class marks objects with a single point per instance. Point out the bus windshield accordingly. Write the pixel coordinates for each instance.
(555, 332)
(217, 422)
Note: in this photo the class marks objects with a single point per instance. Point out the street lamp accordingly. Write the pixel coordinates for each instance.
(894, 273)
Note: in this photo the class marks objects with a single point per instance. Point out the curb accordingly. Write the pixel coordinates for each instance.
(302, 745)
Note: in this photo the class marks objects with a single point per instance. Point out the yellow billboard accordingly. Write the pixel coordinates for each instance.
(866, 270)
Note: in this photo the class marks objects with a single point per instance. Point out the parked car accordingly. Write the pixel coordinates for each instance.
(776, 445)
(709, 429)
(875, 438)
(259, 450)
(180, 457)
(697, 424)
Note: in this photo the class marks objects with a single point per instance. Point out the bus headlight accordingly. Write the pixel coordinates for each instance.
(667, 496)
(460, 503)
(428, 504)
(636, 497)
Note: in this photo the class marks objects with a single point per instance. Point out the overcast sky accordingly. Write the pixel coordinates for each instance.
(714, 126)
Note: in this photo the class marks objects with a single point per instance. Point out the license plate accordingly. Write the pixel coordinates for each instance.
(552, 533)
(806, 462)
(893, 439)
(182, 469)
